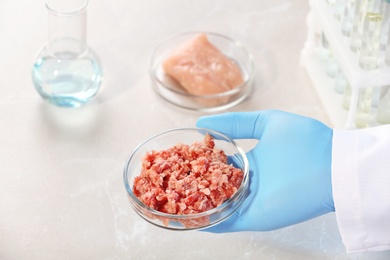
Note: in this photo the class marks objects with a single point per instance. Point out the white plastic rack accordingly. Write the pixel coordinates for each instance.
(320, 20)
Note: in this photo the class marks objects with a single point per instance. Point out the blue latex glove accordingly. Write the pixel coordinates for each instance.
(290, 168)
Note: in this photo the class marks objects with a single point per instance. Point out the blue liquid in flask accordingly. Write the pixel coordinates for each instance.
(67, 79)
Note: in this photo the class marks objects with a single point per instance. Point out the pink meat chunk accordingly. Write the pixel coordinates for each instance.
(202, 69)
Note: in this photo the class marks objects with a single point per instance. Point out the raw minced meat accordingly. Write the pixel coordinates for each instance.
(187, 179)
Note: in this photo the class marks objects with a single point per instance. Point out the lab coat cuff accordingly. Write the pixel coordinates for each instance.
(345, 189)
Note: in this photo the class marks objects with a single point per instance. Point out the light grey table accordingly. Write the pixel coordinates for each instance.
(61, 189)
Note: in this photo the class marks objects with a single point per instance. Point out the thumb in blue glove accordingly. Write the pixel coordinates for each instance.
(290, 168)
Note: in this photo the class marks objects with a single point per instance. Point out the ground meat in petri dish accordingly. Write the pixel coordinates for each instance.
(187, 179)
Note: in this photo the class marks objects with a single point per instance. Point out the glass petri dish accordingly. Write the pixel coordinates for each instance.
(170, 90)
(167, 140)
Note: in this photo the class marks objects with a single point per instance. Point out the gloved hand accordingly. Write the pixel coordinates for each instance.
(290, 168)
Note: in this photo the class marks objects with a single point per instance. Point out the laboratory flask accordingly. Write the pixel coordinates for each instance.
(66, 71)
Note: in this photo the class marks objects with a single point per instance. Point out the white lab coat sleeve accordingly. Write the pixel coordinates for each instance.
(361, 187)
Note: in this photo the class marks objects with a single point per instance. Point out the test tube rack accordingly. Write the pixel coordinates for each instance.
(320, 20)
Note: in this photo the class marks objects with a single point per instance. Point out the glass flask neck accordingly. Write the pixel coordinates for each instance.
(67, 27)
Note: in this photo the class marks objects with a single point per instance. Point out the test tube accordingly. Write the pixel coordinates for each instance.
(324, 41)
(340, 83)
(330, 2)
(347, 96)
(368, 58)
(332, 66)
(357, 23)
(363, 110)
(387, 54)
(385, 40)
(370, 45)
(324, 48)
(383, 111)
(346, 20)
(338, 9)
(385, 24)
